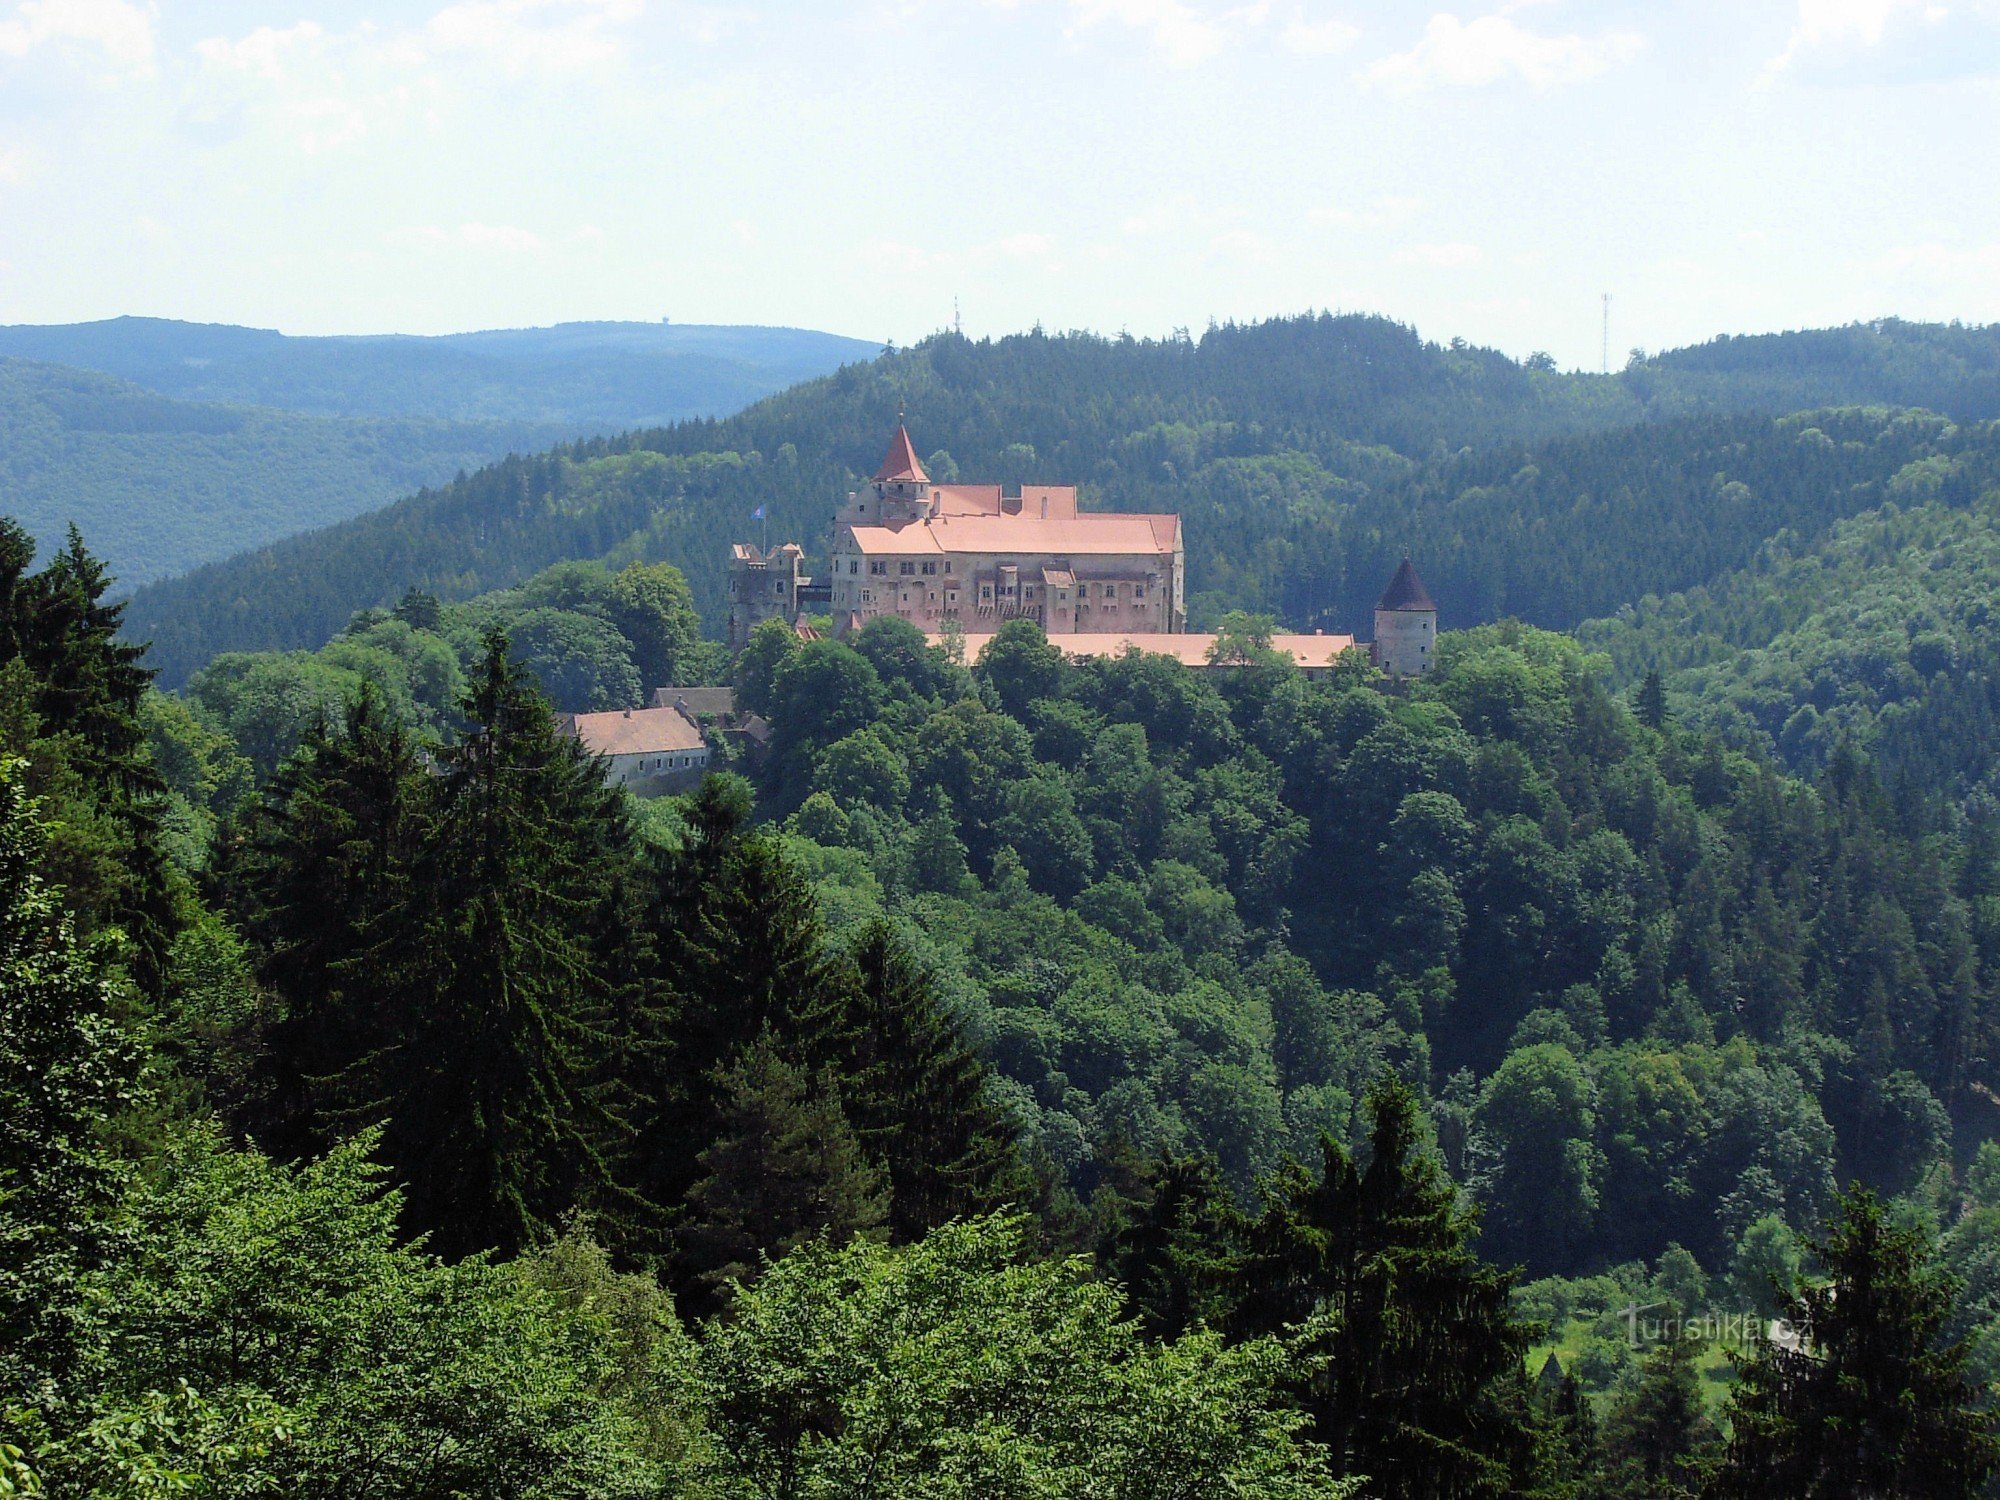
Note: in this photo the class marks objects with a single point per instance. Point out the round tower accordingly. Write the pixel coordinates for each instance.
(1406, 625)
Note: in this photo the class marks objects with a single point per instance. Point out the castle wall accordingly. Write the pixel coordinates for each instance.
(1405, 640)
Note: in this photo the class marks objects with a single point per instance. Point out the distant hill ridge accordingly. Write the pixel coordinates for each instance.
(1304, 453)
(172, 444)
(581, 377)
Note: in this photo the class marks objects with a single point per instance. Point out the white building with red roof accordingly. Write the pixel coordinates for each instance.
(977, 555)
(647, 748)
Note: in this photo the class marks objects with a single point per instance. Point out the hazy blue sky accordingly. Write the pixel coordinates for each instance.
(335, 166)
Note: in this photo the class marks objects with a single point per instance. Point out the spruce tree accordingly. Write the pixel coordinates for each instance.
(737, 946)
(324, 877)
(785, 1167)
(81, 702)
(1658, 1439)
(1874, 1399)
(1410, 1362)
(496, 1093)
(1650, 702)
(916, 1092)
(1178, 1254)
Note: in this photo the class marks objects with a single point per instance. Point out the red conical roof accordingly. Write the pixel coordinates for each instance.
(1406, 591)
(901, 464)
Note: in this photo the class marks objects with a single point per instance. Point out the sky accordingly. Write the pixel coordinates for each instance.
(878, 168)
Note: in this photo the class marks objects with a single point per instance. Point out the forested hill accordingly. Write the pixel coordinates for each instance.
(583, 378)
(162, 485)
(1947, 368)
(1881, 637)
(1305, 453)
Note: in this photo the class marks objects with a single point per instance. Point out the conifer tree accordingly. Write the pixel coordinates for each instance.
(1658, 1439)
(325, 880)
(81, 700)
(496, 1094)
(738, 946)
(1650, 702)
(784, 1168)
(1178, 1255)
(1410, 1361)
(917, 1094)
(1874, 1401)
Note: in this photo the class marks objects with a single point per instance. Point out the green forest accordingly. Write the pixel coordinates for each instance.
(1573, 1074)
(1029, 1078)
(1305, 454)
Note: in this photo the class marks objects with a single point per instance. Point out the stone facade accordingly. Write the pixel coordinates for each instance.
(1406, 623)
(764, 586)
(978, 556)
(974, 555)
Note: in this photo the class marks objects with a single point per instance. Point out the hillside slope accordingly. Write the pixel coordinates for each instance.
(161, 485)
(1305, 453)
(1882, 635)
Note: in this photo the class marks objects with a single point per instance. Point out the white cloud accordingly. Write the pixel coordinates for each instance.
(1318, 38)
(1183, 35)
(1845, 26)
(1495, 48)
(497, 239)
(317, 90)
(1384, 212)
(121, 31)
(1244, 247)
(1944, 262)
(523, 37)
(1025, 246)
(268, 52)
(1168, 215)
(1451, 255)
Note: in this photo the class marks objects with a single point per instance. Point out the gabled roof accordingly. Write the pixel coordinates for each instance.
(1313, 652)
(634, 731)
(1406, 591)
(1096, 533)
(901, 462)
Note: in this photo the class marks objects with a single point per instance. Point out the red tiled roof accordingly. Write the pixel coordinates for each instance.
(901, 462)
(1051, 502)
(633, 731)
(1100, 533)
(1191, 650)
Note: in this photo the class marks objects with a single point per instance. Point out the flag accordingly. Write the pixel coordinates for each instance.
(757, 514)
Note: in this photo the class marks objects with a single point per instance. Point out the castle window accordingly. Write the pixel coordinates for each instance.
(947, 567)
(854, 567)
(867, 597)
(930, 567)
(1138, 591)
(878, 567)
(906, 568)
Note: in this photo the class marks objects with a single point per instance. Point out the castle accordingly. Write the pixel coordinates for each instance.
(974, 555)
(966, 558)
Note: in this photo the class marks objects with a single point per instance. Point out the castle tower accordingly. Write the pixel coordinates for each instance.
(763, 586)
(1406, 623)
(900, 490)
